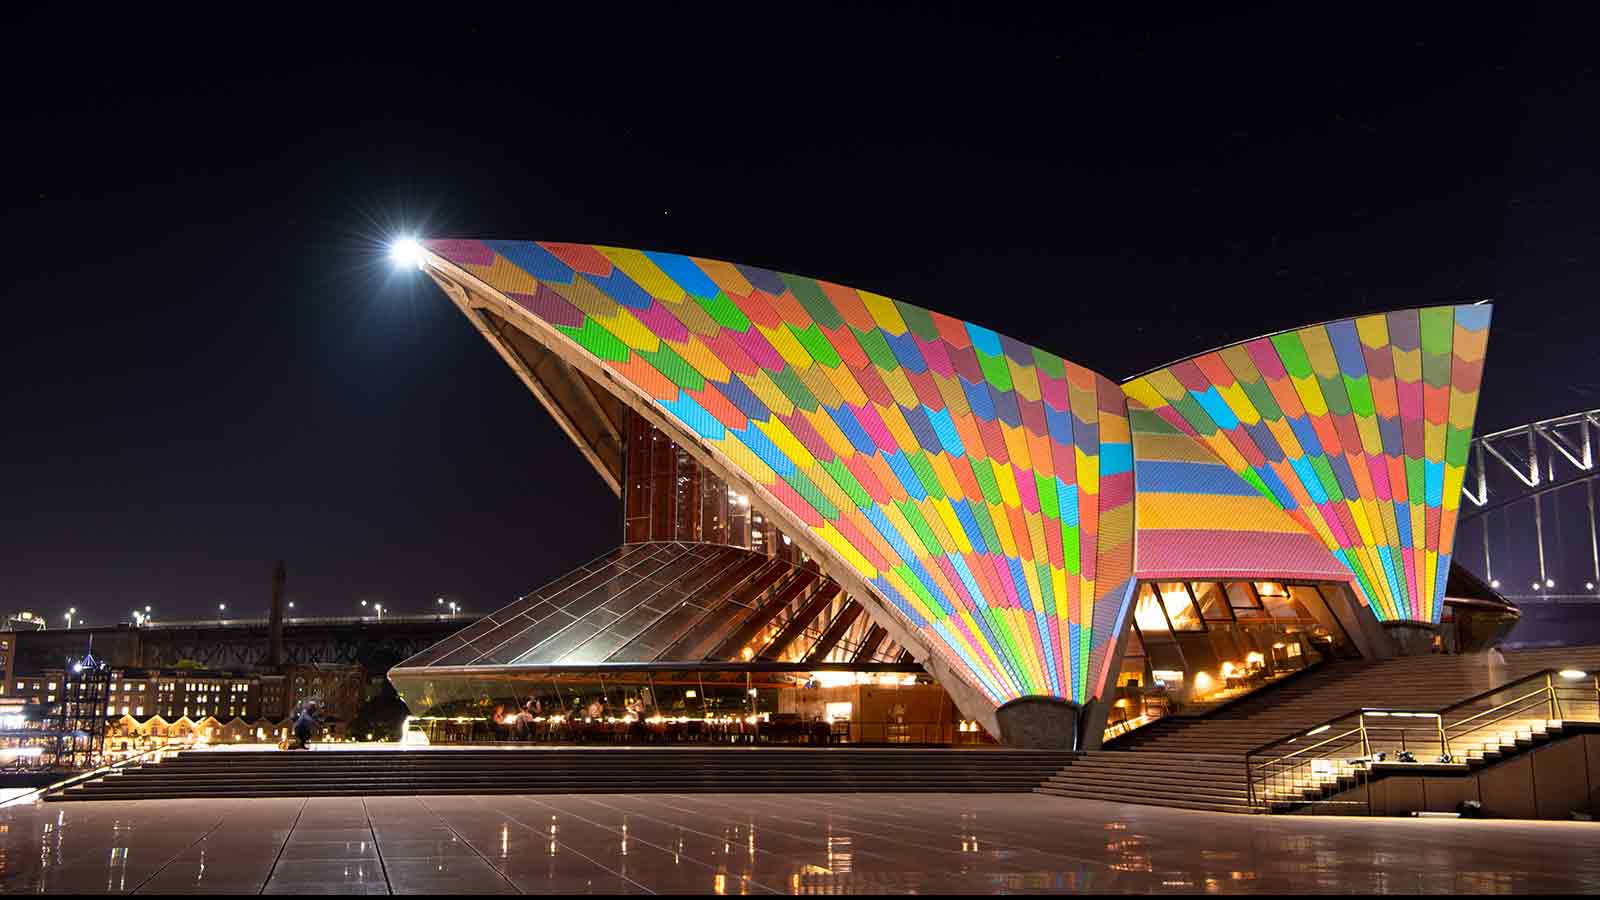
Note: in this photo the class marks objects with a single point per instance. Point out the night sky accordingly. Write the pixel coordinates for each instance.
(208, 364)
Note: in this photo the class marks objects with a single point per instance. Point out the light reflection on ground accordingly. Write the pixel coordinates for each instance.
(762, 843)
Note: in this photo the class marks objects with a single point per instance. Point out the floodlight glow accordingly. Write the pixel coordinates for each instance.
(407, 252)
(1572, 674)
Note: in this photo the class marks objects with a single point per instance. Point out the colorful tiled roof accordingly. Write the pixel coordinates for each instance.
(983, 487)
(1197, 518)
(1358, 428)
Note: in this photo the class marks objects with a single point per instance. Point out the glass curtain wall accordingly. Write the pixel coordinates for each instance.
(668, 496)
(1197, 644)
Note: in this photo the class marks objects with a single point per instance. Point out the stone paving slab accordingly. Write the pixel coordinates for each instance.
(762, 844)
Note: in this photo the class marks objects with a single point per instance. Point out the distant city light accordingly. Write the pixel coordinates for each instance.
(407, 252)
(1495, 583)
(1549, 582)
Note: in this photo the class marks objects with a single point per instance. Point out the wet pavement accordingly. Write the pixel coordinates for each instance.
(764, 843)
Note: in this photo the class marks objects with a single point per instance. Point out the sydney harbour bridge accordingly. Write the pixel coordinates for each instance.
(1527, 524)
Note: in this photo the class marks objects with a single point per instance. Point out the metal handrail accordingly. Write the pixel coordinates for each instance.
(1278, 765)
(83, 776)
(1541, 691)
(1257, 751)
(1286, 764)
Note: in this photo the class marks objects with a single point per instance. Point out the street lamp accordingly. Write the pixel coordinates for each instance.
(452, 609)
(221, 608)
(72, 611)
(379, 608)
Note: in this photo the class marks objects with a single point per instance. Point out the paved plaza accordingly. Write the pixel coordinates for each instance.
(763, 843)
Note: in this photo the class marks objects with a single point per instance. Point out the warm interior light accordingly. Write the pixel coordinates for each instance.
(1254, 658)
(834, 679)
(1227, 669)
(1202, 682)
(407, 252)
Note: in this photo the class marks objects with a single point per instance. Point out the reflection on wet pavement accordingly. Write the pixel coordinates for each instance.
(763, 844)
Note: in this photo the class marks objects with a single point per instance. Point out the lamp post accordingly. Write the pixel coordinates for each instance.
(379, 608)
(71, 611)
(452, 609)
(221, 608)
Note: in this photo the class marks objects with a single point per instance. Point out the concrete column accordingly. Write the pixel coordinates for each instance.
(1364, 629)
(1039, 723)
(1098, 709)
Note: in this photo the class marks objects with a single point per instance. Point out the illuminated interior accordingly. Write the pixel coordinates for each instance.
(708, 625)
(1193, 645)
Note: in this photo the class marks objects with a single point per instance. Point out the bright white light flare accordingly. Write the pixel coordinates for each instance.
(407, 252)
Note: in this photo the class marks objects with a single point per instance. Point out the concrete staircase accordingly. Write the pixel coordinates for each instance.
(1199, 762)
(1208, 781)
(1480, 749)
(319, 773)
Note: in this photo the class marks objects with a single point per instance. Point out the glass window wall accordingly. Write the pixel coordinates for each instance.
(1196, 645)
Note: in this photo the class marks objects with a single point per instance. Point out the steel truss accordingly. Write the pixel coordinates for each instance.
(1539, 465)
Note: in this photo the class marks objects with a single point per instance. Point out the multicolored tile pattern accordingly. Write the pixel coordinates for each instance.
(1197, 518)
(982, 486)
(1357, 428)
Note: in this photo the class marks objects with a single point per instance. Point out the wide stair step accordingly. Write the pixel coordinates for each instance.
(572, 770)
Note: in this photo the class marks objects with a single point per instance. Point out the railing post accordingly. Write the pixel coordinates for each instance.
(1444, 740)
(1366, 748)
(1249, 784)
(1555, 705)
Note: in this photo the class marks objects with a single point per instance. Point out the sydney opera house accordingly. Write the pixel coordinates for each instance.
(842, 512)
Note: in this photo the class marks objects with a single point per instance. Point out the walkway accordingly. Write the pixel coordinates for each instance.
(759, 843)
